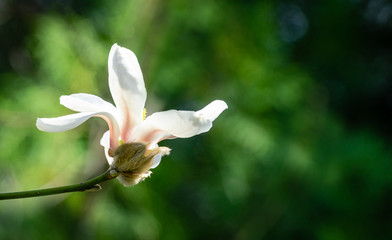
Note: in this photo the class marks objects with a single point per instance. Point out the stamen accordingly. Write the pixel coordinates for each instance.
(144, 113)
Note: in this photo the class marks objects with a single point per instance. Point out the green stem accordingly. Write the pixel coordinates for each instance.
(89, 185)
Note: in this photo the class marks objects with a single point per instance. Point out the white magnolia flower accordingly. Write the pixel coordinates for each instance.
(131, 144)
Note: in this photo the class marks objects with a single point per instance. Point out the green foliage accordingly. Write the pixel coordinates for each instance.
(280, 163)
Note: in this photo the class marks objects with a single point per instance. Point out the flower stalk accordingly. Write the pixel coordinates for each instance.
(89, 185)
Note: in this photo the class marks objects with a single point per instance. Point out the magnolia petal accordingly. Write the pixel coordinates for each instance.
(83, 102)
(157, 158)
(127, 87)
(108, 158)
(105, 142)
(213, 110)
(63, 123)
(156, 161)
(71, 121)
(178, 124)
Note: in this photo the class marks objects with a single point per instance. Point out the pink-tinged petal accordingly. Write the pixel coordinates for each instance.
(71, 121)
(178, 124)
(127, 87)
(105, 142)
(83, 102)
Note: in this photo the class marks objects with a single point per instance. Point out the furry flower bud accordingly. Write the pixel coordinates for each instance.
(134, 160)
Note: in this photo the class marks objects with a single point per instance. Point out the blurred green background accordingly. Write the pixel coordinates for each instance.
(303, 152)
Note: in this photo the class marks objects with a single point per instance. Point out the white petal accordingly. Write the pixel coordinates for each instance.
(157, 158)
(68, 122)
(156, 161)
(63, 123)
(127, 87)
(181, 124)
(105, 142)
(213, 110)
(108, 158)
(83, 102)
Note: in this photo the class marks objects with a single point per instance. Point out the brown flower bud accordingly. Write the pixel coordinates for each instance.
(133, 161)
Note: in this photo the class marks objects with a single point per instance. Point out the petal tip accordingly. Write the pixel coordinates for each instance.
(41, 125)
(38, 123)
(221, 104)
(214, 109)
(63, 99)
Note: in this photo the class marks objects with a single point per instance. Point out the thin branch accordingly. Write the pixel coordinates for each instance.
(90, 185)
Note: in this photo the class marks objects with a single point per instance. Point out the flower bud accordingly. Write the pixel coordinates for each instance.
(133, 161)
